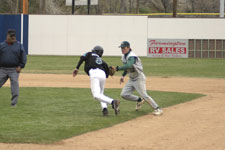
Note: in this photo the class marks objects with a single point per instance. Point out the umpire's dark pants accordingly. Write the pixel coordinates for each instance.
(11, 73)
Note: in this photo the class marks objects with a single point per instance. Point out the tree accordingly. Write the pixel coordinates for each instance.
(137, 8)
(166, 5)
(123, 6)
(110, 6)
(193, 6)
(42, 6)
(174, 8)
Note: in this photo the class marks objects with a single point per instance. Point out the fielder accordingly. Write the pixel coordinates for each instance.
(132, 65)
(98, 71)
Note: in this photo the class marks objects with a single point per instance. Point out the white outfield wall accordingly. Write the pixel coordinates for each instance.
(75, 35)
(186, 28)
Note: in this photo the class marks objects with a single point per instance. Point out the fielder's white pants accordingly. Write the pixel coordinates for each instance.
(97, 78)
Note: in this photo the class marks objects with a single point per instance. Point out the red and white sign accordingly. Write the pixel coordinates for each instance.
(170, 48)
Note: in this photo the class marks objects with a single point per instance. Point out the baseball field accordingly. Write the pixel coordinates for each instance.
(57, 111)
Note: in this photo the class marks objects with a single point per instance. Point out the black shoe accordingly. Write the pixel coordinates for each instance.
(13, 105)
(115, 106)
(105, 112)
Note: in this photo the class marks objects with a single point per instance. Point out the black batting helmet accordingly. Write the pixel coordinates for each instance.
(98, 50)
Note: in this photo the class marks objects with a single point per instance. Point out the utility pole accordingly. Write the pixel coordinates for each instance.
(25, 6)
(73, 5)
(174, 8)
(221, 8)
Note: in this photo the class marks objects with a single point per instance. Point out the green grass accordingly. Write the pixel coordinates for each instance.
(210, 68)
(164, 67)
(46, 115)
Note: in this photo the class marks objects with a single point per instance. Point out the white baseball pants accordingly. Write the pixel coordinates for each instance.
(97, 79)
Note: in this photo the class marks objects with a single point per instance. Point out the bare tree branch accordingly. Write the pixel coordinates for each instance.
(111, 6)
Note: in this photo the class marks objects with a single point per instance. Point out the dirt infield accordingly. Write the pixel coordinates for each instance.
(195, 125)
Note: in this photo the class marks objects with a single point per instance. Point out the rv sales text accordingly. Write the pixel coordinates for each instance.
(167, 50)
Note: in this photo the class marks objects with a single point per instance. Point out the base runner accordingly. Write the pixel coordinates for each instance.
(98, 71)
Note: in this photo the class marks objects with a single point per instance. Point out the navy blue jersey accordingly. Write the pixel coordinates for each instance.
(93, 61)
(12, 55)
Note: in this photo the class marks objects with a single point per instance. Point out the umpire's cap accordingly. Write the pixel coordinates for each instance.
(11, 32)
(98, 50)
(124, 44)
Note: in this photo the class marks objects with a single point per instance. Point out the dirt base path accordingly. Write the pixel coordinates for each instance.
(195, 125)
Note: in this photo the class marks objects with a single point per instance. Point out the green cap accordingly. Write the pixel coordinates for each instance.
(125, 44)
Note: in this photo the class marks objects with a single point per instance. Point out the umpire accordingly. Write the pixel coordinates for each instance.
(12, 59)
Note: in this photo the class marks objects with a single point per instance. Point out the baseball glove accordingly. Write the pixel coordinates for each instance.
(112, 70)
